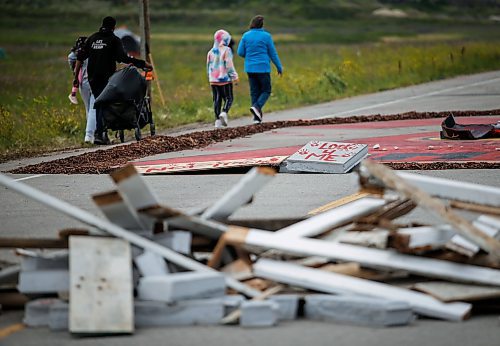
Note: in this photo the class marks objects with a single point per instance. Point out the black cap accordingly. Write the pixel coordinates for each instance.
(109, 23)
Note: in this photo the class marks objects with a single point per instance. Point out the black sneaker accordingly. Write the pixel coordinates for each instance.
(102, 138)
(257, 115)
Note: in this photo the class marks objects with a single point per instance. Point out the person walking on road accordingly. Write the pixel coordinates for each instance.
(257, 48)
(84, 88)
(103, 49)
(221, 76)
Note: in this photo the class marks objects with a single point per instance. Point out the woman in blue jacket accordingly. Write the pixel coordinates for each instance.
(257, 47)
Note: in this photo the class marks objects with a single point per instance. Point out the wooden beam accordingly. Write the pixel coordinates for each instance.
(33, 243)
(454, 190)
(478, 208)
(433, 205)
(342, 201)
(333, 218)
(110, 228)
(240, 194)
(367, 257)
(328, 282)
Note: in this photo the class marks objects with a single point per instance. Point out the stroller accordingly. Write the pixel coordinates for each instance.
(126, 105)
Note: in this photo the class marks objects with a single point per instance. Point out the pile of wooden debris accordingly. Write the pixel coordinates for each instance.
(352, 261)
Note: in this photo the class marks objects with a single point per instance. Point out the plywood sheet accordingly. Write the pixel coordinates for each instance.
(101, 293)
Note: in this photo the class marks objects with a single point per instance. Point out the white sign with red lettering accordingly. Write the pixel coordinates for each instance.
(327, 157)
(165, 168)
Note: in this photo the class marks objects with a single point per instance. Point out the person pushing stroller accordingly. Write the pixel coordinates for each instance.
(103, 49)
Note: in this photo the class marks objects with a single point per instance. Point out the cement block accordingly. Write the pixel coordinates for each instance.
(288, 305)
(232, 302)
(43, 281)
(366, 311)
(29, 263)
(151, 264)
(182, 286)
(182, 313)
(259, 313)
(179, 241)
(36, 312)
(59, 316)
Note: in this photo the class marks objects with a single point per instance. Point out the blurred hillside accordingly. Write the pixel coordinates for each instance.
(201, 12)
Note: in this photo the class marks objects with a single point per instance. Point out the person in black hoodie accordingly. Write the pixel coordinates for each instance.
(103, 49)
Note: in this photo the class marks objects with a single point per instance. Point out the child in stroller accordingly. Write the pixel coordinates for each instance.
(126, 103)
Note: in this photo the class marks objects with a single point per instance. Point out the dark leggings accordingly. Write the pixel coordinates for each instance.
(97, 88)
(222, 93)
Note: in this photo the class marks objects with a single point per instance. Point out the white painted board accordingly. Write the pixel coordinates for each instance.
(101, 293)
(327, 157)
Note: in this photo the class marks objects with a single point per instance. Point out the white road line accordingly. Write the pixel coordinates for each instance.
(409, 98)
(30, 177)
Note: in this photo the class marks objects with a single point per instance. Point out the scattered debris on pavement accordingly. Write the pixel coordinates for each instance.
(353, 261)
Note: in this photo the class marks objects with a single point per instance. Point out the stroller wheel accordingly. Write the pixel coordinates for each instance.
(152, 129)
(121, 134)
(137, 134)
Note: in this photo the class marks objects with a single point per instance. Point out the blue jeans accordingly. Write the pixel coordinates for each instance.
(260, 88)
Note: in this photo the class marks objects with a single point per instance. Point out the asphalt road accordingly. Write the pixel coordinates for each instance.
(288, 195)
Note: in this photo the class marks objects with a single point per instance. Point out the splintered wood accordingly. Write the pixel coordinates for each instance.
(353, 247)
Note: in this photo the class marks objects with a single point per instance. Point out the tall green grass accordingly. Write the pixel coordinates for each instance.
(35, 114)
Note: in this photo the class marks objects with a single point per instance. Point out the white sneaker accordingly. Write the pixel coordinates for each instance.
(218, 124)
(73, 99)
(89, 139)
(223, 119)
(257, 116)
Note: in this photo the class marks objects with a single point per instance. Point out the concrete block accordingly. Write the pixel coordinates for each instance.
(29, 263)
(366, 311)
(36, 312)
(43, 281)
(259, 313)
(179, 241)
(232, 302)
(182, 313)
(288, 305)
(182, 286)
(59, 316)
(151, 264)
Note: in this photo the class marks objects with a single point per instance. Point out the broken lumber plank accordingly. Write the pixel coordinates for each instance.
(344, 200)
(420, 239)
(461, 245)
(452, 292)
(322, 281)
(100, 286)
(433, 205)
(367, 257)
(133, 187)
(118, 211)
(326, 221)
(110, 228)
(479, 208)
(209, 228)
(454, 190)
(33, 243)
(136, 193)
(376, 238)
(240, 194)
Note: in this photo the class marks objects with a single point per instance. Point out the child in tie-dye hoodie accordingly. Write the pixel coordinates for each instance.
(221, 75)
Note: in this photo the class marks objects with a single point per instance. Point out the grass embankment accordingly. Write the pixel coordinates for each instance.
(35, 114)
